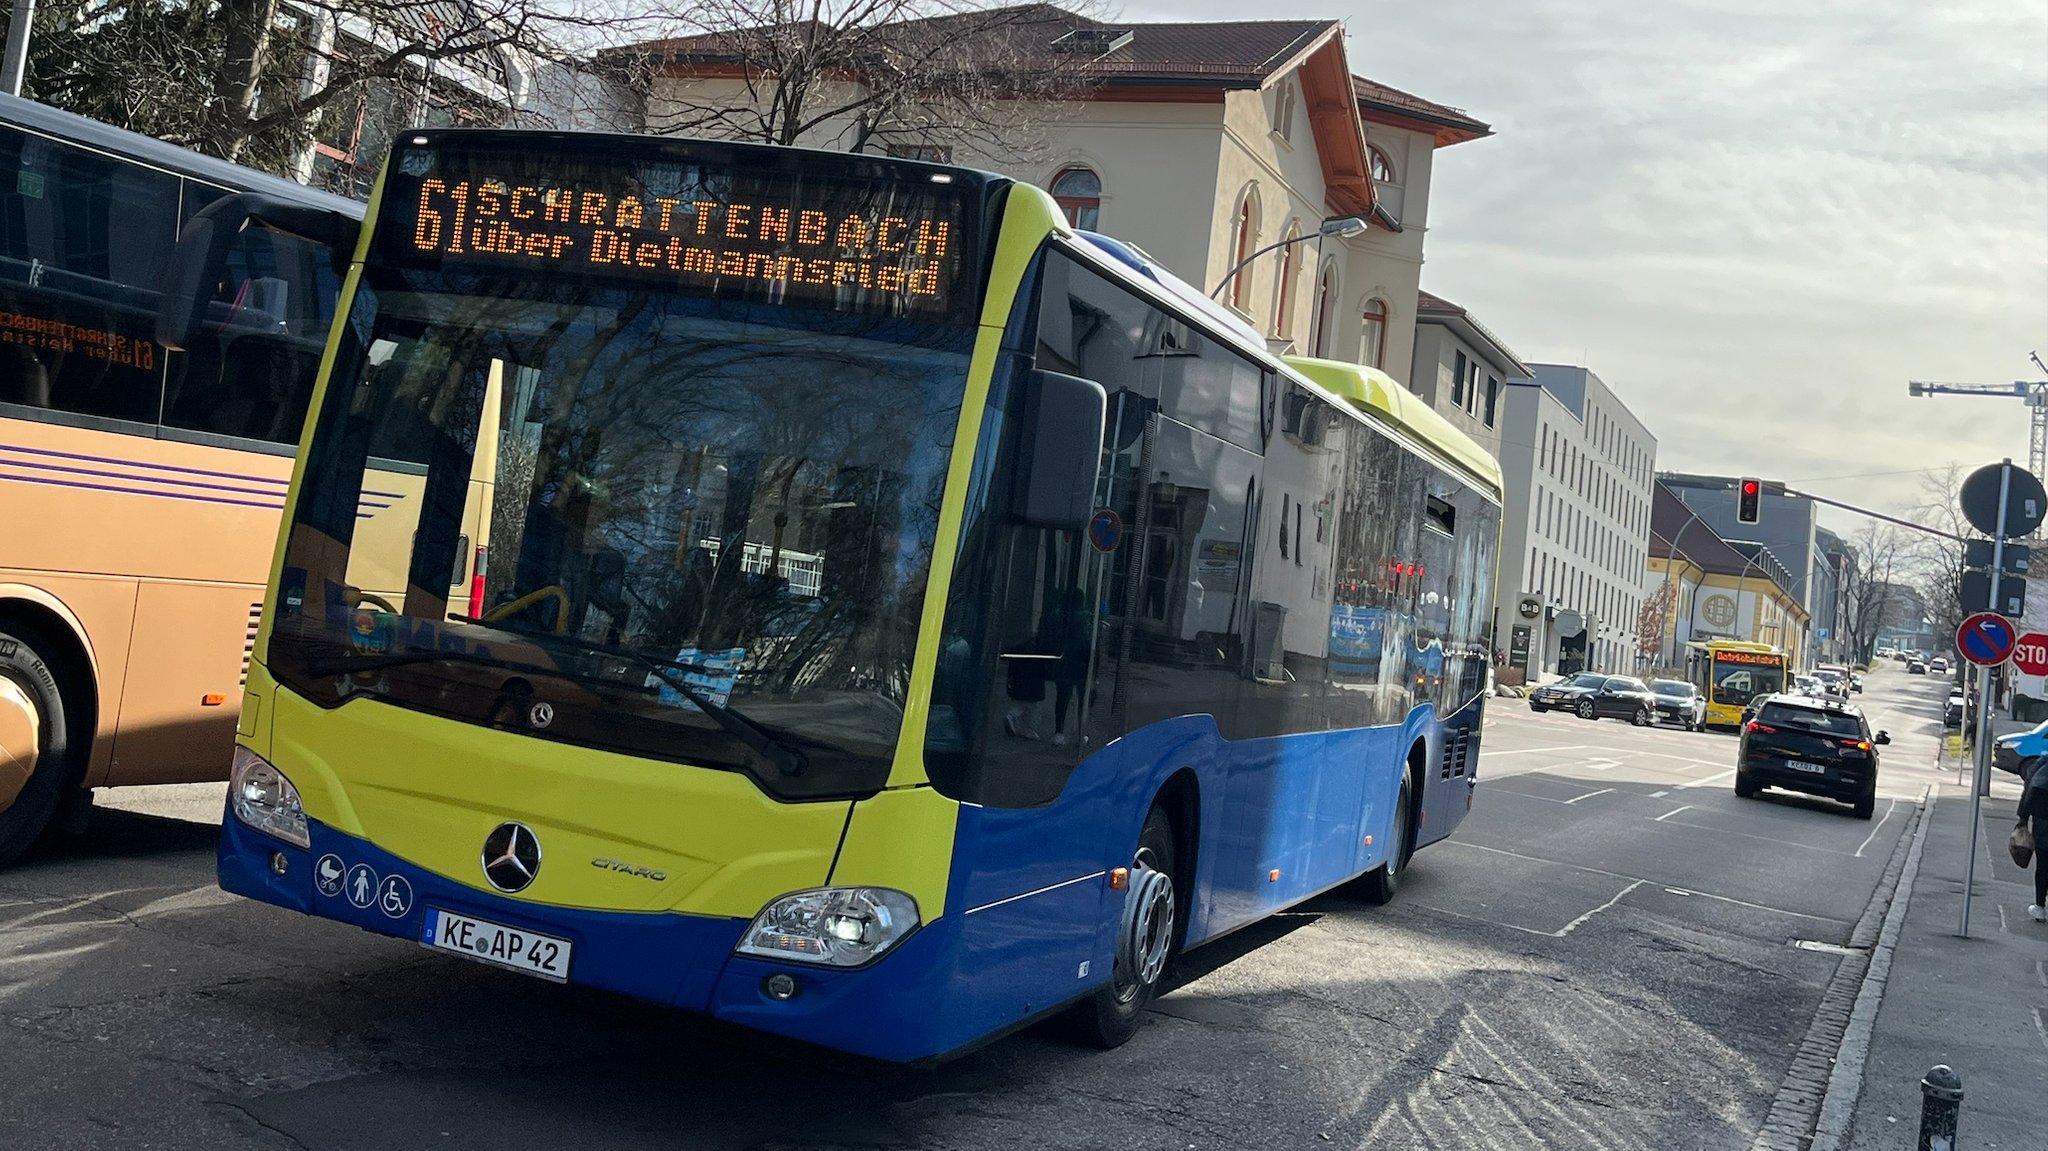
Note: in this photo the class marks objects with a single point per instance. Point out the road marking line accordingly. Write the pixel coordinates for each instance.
(1520, 794)
(1574, 924)
(1761, 838)
(1537, 750)
(1672, 812)
(1619, 875)
(1880, 827)
(2004, 928)
(1588, 795)
(1659, 794)
(1716, 778)
(2040, 1027)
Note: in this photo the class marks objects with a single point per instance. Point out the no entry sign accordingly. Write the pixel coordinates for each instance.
(1987, 639)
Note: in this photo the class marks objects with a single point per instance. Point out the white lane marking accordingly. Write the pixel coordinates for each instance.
(1759, 838)
(1520, 794)
(1595, 764)
(1619, 875)
(2004, 928)
(2040, 1026)
(1588, 795)
(1880, 827)
(1534, 750)
(1574, 924)
(1659, 794)
(1712, 779)
(1672, 812)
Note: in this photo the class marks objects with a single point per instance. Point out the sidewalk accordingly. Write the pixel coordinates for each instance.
(1979, 1005)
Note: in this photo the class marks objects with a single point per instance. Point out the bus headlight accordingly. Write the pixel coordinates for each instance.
(833, 926)
(263, 798)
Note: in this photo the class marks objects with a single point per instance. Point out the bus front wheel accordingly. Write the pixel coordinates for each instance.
(36, 739)
(1380, 884)
(1144, 941)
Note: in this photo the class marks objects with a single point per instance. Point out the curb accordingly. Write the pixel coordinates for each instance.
(1797, 1108)
(1845, 1086)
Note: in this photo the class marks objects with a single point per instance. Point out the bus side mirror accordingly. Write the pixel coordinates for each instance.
(200, 264)
(1059, 450)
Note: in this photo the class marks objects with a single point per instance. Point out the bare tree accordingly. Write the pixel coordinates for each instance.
(1937, 561)
(1882, 553)
(913, 76)
(1650, 622)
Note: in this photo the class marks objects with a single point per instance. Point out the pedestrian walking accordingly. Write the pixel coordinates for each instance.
(2033, 813)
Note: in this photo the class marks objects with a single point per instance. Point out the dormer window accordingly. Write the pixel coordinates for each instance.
(1283, 111)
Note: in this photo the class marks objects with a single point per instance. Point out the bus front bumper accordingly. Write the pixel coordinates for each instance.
(892, 1009)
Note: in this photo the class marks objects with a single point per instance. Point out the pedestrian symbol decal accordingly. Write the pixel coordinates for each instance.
(327, 875)
(1104, 530)
(395, 896)
(362, 885)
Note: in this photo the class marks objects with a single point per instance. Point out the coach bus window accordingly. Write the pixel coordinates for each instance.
(251, 376)
(82, 242)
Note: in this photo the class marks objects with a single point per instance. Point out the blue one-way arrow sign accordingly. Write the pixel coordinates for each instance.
(1987, 639)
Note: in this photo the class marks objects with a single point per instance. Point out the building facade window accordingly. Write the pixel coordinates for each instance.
(1283, 111)
(1079, 193)
(1382, 168)
(1458, 381)
(1244, 241)
(1283, 292)
(1372, 351)
(1492, 398)
(1319, 319)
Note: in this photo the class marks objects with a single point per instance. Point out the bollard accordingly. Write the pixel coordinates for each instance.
(1941, 1098)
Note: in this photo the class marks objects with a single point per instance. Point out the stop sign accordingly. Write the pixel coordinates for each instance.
(2030, 655)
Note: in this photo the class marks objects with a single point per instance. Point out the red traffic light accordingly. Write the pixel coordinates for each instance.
(1749, 501)
(1749, 487)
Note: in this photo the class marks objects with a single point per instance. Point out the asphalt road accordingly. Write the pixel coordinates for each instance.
(1608, 955)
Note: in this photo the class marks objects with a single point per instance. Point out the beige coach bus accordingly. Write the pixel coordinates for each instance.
(139, 488)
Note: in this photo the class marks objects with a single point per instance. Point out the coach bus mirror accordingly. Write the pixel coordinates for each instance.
(1059, 450)
(199, 266)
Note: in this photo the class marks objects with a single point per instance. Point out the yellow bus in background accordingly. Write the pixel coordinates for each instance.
(1734, 672)
(140, 488)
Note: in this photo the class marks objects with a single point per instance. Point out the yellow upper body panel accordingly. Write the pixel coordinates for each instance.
(1374, 391)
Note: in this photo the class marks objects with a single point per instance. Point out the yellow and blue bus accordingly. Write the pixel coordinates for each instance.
(905, 618)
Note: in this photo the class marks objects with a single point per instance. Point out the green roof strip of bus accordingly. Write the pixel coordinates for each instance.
(1374, 391)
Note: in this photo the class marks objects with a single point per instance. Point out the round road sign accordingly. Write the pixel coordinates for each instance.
(2030, 655)
(2025, 501)
(1987, 639)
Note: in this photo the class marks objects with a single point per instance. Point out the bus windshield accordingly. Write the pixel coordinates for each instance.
(1736, 683)
(706, 521)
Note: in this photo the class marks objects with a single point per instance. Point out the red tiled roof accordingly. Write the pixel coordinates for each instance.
(1452, 125)
(1232, 54)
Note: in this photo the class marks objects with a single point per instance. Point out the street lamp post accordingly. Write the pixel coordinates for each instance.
(1339, 226)
(14, 65)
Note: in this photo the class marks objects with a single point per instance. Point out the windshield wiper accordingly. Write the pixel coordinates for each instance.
(788, 760)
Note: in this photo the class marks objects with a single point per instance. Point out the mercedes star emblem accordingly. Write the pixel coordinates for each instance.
(511, 856)
(541, 715)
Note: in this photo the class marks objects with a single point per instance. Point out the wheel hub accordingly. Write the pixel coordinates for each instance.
(1146, 934)
(20, 739)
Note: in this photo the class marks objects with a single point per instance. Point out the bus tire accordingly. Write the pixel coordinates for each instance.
(1145, 941)
(1382, 883)
(36, 679)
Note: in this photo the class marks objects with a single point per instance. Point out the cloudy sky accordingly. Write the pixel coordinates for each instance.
(1755, 219)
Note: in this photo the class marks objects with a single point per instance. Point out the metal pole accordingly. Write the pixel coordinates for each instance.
(14, 65)
(1941, 1099)
(1982, 751)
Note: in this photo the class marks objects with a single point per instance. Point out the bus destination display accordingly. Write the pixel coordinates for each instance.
(772, 238)
(1759, 658)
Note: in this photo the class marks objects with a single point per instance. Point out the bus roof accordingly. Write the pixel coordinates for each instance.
(1379, 393)
(89, 133)
(1733, 645)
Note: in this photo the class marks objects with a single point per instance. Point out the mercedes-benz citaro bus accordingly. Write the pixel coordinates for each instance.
(1732, 673)
(906, 617)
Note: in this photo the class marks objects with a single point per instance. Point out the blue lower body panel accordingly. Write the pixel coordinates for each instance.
(895, 1009)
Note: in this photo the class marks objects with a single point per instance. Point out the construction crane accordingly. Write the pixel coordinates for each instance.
(2034, 392)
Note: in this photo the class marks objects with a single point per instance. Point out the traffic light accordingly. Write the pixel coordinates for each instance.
(1749, 500)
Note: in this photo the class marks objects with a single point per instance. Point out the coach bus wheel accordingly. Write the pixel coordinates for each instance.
(36, 755)
(1144, 941)
(1381, 883)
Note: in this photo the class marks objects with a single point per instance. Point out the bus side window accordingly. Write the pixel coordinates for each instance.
(251, 376)
(83, 239)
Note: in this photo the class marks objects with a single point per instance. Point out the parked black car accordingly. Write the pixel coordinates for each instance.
(1618, 697)
(1815, 746)
(1564, 694)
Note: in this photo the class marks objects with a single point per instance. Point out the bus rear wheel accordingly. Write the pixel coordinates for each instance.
(36, 750)
(1144, 942)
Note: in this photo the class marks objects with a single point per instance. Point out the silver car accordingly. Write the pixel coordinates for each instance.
(1681, 703)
